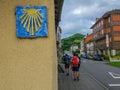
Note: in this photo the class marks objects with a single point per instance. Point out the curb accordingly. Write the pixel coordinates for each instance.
(60, 69)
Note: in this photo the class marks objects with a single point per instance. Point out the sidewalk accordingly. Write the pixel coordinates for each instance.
(86, 82)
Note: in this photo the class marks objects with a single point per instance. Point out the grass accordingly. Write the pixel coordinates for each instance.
(116, 64)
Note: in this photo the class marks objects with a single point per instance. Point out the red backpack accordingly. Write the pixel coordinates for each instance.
(75, 61)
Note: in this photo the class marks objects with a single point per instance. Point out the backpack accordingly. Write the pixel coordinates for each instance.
(79, 60)
(75, 61)
(67, 60)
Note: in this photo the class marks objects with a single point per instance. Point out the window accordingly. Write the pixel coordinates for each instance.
(110, 39)
(108, 29)
(109, 19)
(102, 22)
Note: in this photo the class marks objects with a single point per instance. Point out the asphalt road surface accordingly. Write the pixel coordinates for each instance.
(107, 76)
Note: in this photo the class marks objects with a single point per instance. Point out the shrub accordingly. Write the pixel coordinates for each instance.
(117, 57)
(118, 54)
(106, 57)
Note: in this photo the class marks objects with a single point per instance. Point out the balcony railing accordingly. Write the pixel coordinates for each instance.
(98, 29)
(100, 45)
(115, 23)
(102, 27)
(99, 37)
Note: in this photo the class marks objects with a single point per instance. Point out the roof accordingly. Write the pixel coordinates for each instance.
(107, 14)
(89, 38)
(58, 10)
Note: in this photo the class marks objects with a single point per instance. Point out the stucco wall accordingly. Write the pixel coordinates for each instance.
(26, 64)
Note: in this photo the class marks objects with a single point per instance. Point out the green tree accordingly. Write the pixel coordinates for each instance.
(74, 39)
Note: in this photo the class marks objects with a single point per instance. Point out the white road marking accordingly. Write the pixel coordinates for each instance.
(114, 75)
(114, 85)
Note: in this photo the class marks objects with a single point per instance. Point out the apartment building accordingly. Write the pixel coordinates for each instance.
(74, 48)
(83, 46)
(89, 44)
(106, 33)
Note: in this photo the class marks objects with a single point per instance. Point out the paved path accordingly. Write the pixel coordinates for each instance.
(86, 82)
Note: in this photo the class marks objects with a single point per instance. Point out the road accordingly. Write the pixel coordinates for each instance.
(107, 76)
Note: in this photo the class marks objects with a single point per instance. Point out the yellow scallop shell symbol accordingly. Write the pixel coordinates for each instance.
(31, 20)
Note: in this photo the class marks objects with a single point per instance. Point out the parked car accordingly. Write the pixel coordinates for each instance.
(84, 55)
(90, 57)
(97, 57)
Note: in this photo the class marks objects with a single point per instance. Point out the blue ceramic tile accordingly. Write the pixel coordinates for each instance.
(31, 21)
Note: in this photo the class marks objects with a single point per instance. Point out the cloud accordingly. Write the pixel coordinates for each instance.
(79, 15)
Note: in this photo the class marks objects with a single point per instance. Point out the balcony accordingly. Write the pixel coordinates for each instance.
(100, 46)
(100, 37)
(98, 29)
(102, 27)
(115, 23)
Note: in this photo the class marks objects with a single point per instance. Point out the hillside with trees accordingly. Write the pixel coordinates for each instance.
(72, 40)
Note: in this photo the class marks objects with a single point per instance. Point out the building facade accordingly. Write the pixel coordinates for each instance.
(74, 48)
(59, 49)
(83, 46)
(28, 63)
(89, 44)
(106, 31)
(58, 11)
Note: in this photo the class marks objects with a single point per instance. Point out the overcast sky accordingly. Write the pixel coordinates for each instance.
(79, 15)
